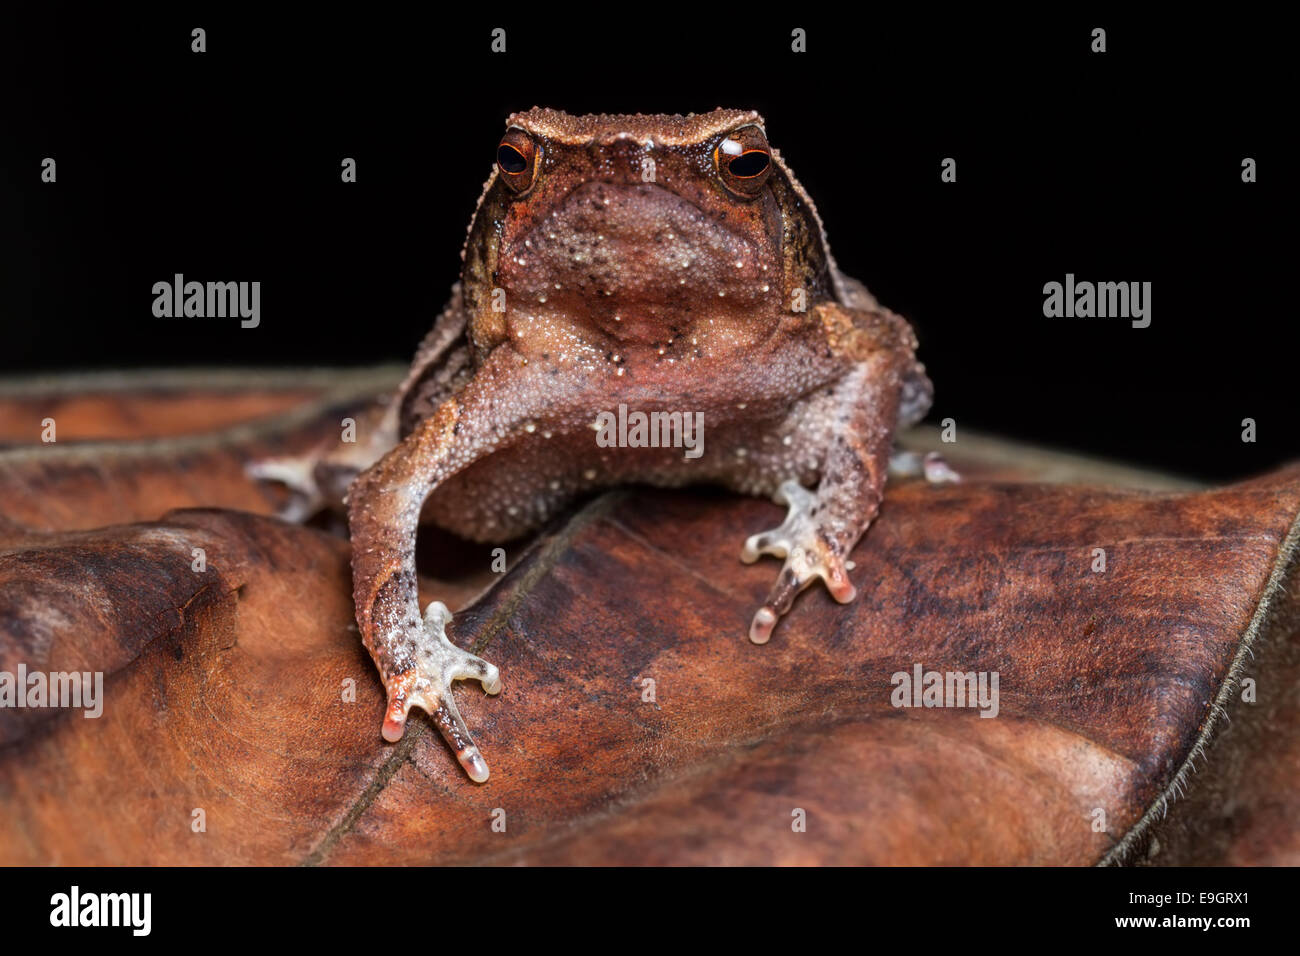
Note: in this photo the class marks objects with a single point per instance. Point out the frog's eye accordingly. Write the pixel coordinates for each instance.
(517, 157)
(743, 160)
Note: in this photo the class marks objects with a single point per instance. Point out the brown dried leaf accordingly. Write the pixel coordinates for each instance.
(224, 689)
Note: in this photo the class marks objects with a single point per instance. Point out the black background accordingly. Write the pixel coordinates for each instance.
(1124, 166)
(909, 909)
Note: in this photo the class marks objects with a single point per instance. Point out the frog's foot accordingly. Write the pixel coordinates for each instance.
(296, 474)
(809, 553)
(912, 464)
(428, 686)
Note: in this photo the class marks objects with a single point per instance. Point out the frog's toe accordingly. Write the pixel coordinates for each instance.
(938, 471)
(757, 545)
(933, 466)
(781, 539)
(797, 574)
(427, 685)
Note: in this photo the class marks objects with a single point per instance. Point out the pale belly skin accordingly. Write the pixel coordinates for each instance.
(751, 446)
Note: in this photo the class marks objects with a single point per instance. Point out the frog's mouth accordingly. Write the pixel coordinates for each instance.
(638, 248)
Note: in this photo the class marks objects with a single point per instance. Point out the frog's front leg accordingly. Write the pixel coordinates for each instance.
(415, 657)
(822, 526)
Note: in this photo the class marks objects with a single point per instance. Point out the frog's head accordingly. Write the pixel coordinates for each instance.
(630, 223)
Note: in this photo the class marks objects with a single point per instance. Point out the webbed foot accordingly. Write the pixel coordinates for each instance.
(809, 553)
(427, 685)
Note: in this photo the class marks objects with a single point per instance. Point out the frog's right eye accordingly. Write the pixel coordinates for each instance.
(743, 161)
(517, 160)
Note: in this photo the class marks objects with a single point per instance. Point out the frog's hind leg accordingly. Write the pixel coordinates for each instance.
(321, 477)
(297, 474)
(913, 464)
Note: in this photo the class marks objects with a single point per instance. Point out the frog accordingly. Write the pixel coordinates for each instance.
(659, 263)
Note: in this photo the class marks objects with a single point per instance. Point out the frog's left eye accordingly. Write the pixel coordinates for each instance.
(743, 160)
(517, 157)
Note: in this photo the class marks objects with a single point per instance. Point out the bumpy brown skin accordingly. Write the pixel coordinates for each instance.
(672, 295)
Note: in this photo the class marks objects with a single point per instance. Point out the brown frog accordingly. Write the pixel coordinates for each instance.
(660, 268)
